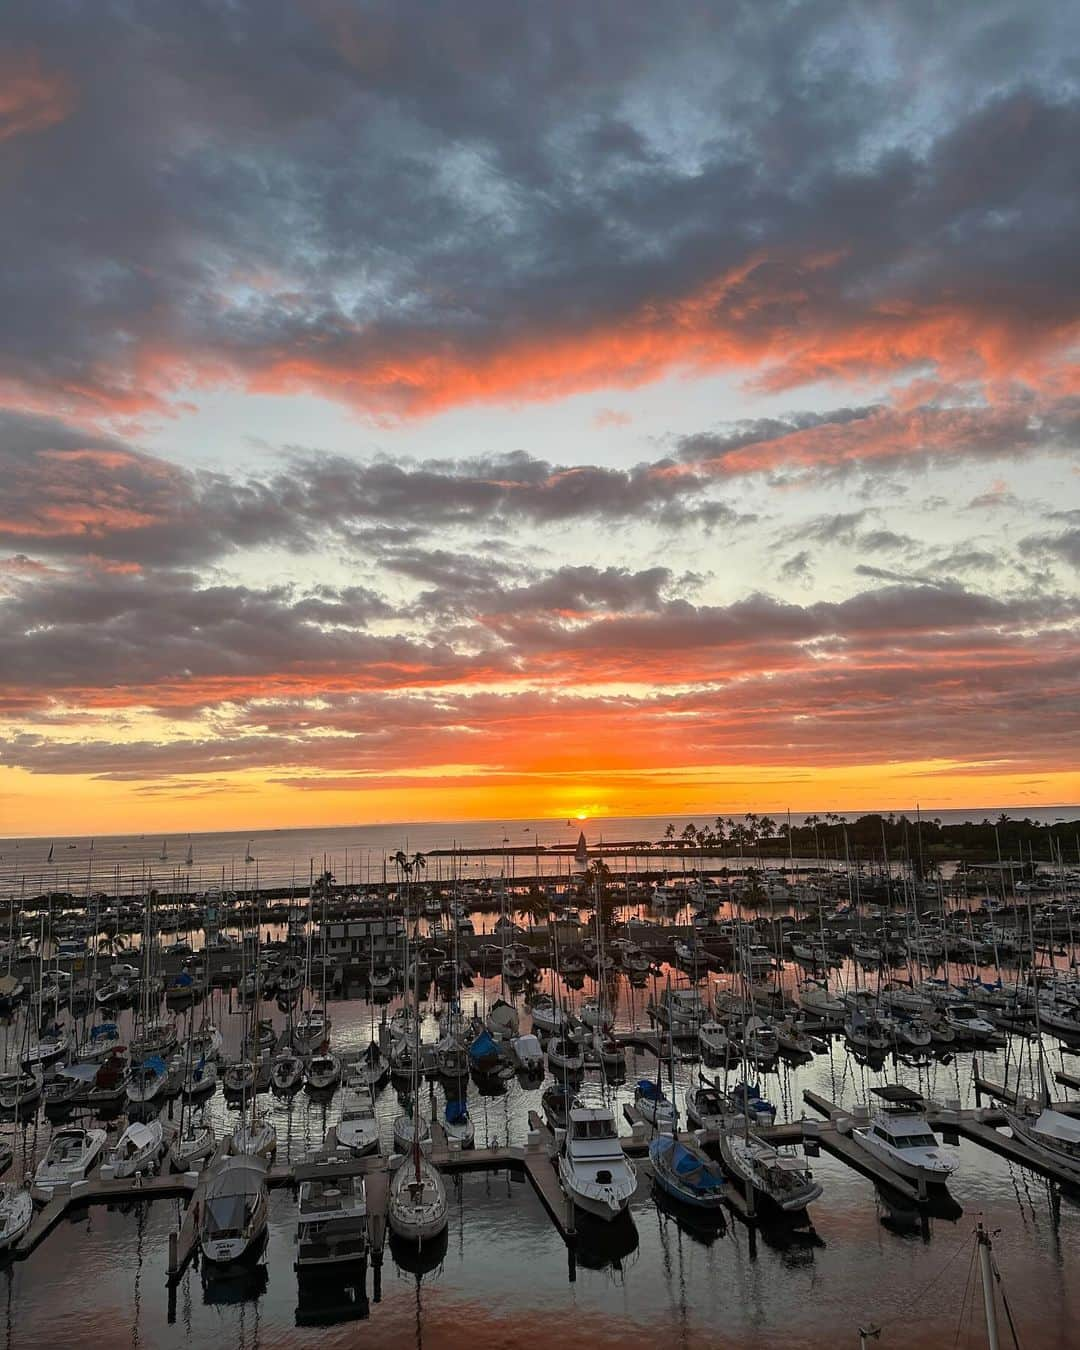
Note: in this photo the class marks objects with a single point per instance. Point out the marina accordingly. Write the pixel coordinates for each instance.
(805, 1109)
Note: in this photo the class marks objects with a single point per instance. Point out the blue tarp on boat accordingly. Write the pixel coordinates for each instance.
(648, 1089)
(484, 1049)
(457, 1112)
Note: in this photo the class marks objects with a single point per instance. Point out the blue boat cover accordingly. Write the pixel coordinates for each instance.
(484, 1047)
(647, 1088)
(182, 980)
(104, 1029)
(156, 1063)
(457, 1112)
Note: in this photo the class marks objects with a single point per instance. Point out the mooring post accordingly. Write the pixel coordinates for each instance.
(174, 1258)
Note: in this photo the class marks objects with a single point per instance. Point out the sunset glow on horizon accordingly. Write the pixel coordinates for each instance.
(432, 415)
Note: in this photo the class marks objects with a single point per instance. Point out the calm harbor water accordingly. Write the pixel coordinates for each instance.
(506, 1278)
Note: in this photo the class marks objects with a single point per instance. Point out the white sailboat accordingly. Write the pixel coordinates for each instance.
(417, 1208)
(16, 1213)
(232, 1225)
(138, 1149)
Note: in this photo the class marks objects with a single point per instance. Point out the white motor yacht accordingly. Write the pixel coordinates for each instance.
(332, 1226)
(900, 1136)
(593, 1170)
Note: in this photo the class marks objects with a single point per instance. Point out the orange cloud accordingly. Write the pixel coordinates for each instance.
(32, 99)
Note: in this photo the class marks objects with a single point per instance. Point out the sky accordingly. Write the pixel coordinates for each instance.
(470, 410)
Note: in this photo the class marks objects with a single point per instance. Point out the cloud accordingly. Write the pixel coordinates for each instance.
(408, 212)
(32, 99)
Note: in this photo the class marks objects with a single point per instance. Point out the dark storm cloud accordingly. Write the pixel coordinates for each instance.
(407, 207)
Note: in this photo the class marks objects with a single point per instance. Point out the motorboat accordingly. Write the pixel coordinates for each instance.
(239, 1077)
(232, 1224)
(686, 1173)
(707, 1106)
(682, 1010)
(194, 1143)
(557, 1103)
(713, 1038)
(774, 1175)
(358, 1128)
(417, 1208)
(71, 1154)
(529, 1054)
(286, 1071)
(332, 1227)
(593, 1170)
(967, 1024)
(606, 1050)
(653, 1106)
(323, 1072)
(899, 1135)
(138, 1149)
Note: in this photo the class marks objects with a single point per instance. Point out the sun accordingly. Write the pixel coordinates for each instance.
(582, 815)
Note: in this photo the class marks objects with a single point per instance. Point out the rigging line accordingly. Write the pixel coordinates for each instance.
(917, 1299)
(964, 1298)
(1005, 1302)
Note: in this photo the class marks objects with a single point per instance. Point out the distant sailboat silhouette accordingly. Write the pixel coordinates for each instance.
(249, 856)
(51, 847)
(164, 854)
(190, 854)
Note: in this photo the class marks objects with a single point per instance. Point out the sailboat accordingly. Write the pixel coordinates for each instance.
(417, 1208)
(138, 1149)
(189, 857)
(255, 1134)
(248, 855)
(163, 856)
(194, 1143)
(232, 1224)
(16, 1213)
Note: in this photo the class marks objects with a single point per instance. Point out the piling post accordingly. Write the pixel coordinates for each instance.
(174, 1259)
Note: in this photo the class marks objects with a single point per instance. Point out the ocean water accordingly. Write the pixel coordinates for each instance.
(355, 854)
